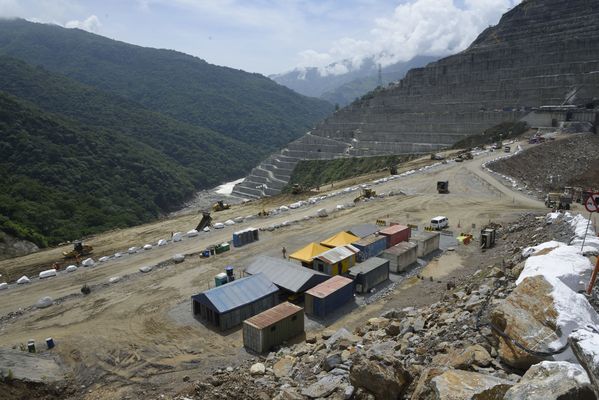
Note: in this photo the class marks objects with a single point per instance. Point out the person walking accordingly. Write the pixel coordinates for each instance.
(284, 252)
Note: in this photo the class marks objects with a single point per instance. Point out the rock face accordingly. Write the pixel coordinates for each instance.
(541, 52)
(552, 381)
(585, 346)
(463, 385)
(381, 379)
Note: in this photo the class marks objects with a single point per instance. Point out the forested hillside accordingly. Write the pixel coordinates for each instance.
(97, 134)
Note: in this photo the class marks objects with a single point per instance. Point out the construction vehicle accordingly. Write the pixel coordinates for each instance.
(507, 149)
(487, 238)
(79, 250)
(443, 186)
(560, 201)
(576, 192)
(297, 188)
(366, 194)
(205, 222)
(435, 156)
(393, 169)
(264, 213)
(220, 206)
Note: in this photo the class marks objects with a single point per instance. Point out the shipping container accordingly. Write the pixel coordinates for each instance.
(427, 242)
(396, 234)
(401, 256)
(371, 246)
(272, 327)
(329, 296)
(336, 261)
(370, 273)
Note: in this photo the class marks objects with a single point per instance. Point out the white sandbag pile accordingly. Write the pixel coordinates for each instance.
(192, 233)
(104, 259)
(117, 255)
(48, 273)
(177, 236)
(219, 225)
(340, 207)
(229, 222)
(207, 229)
(162, 242)
(71, 268)
(114, 279)
(145, 269)
(284, 208)
(147, 247)
(132, 250)
(238, 220)
(88, 262)
(22, 280)
(178, 258)
(3, 285)
(44, 302)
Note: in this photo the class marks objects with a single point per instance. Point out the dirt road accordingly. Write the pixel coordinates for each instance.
(137, 334)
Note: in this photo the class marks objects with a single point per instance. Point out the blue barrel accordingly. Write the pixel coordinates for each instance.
(50, 343)
(206, 253)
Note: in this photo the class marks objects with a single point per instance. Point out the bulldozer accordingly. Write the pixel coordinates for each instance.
(206, 221)
(220, 206)
(366, 194)
(79, 250)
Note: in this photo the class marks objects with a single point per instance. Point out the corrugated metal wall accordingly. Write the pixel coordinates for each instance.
(372, 278)
(322, 307)
(372, 249)
(262, 340)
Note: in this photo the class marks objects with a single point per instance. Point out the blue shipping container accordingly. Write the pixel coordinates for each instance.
(371, 246)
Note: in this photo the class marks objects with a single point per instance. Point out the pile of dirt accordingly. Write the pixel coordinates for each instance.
(550, 166)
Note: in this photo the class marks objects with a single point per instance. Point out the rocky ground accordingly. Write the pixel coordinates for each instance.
(571, 161)
(447, 350)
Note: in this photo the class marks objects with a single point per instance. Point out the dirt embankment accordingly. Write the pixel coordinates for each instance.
(571, 161)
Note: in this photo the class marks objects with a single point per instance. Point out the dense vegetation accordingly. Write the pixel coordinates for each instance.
(234, 103)
(503, 131)
(313, 173)
(97, 134)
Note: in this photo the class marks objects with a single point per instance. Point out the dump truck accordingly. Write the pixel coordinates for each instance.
(205, 222)
(560, 201)
(366, 194)
(79, 250)
(220, 206)
(443, 186)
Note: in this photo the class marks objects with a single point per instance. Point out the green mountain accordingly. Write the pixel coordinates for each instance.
(97, 134)
(234, 103)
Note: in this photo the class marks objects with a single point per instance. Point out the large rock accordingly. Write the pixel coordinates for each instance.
(44, 302)
(534, 313)
(257, 369)
(423, 389)
(283, 367)
(324, 387)
(464, 385)
(465, 358)
(585, 345)
(383, 380)
(552, 380)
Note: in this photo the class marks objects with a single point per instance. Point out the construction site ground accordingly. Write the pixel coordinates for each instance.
(126, 339)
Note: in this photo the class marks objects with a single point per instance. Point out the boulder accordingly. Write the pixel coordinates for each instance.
(44, 302)
(322, 212)
(283, 367)
(257, 369)
(456, 384)
(145, 269)
(585, 345)
(178, 258)
(464, 359)
(331, 361)
(288, 394)
(423, 390)
(385, 381)
(323, 387)
(552, 380)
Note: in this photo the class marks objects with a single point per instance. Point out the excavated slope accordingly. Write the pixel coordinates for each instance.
(540, 53)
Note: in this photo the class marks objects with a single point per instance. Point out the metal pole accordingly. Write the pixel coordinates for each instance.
(585, 232)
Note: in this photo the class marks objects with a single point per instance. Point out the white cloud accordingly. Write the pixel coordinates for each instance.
(418, 27)
(90, 24)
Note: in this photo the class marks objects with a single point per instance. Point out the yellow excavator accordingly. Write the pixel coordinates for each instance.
(366, 194)
(220, 206)
(79, 250)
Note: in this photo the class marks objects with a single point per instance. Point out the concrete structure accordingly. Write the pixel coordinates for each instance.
(336, 261)
(289, 277)
(371, 246)
(227, 306)
(401, 256)
(329, 296)
(306, 255)
(340, 239)
(427, 242)
(272, 327)
(396, 234)
(369, 274)
(460, 95)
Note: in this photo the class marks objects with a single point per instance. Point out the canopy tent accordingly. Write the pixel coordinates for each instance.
(340, 239)
(307, 254)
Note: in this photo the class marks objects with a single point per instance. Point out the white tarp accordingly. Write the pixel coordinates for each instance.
(104, 259)
(22, 280)
(177, 236)
(229, 222)
(192, 233)
(219, 225)
(114, 279)
(132, 250)
(3, 285)
(147, 247)
(162, 242)
(88, 262)
(71, 268)
(48, 273)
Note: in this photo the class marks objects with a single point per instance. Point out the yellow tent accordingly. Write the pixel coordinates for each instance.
(340, 239)
(307, 254)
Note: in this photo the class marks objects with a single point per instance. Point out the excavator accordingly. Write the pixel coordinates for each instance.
(366, 194)
(220, 206)
(79, 250)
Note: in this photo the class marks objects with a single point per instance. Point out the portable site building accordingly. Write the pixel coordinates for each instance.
(246, 236)
(306, 254)
(272, 327)
(370, 273)
(340, 239)
(363, 230)
(287, 276)
(401, 256)
(396, 234)
(427, 242)
(329, 296)
(371, 246)
(336, 261)
(229, 305)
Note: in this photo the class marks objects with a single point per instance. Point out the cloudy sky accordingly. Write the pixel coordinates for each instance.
(272, 36)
